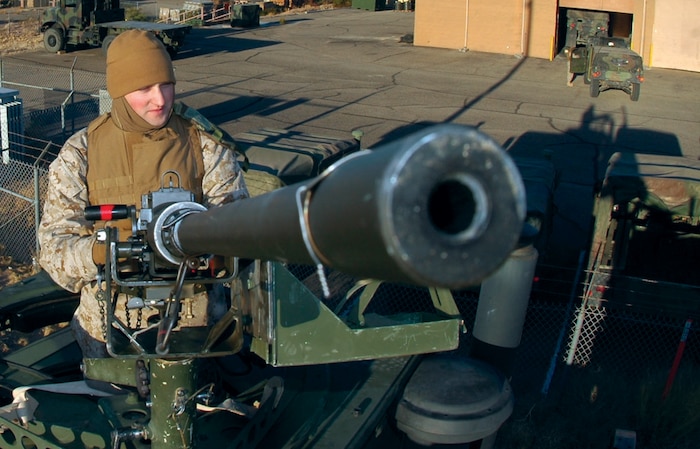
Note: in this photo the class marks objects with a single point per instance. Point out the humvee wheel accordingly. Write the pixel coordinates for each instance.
(54, 40)
(595, 88)
(634, 94)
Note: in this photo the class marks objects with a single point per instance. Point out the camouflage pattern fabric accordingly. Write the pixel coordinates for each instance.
(260, 182)
(216, 133)
(66, 238)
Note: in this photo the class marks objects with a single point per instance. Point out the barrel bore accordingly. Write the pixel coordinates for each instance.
(458, 207)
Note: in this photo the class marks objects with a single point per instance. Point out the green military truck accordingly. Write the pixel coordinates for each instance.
(582, 25)
(97, 22)
(608, 63)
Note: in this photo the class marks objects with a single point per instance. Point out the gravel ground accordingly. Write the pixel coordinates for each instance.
(19, 30)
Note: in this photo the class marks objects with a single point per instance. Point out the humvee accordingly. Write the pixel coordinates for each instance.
(303, 357)
(608, 63)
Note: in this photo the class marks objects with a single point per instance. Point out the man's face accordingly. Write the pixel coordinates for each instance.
(153, 103)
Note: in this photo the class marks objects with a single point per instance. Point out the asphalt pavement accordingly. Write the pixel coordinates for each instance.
(332, 72)
(337, 71)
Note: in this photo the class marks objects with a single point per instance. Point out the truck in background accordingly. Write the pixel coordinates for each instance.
(582, 25)
(608, 63)
(97, 22)
(604, 62)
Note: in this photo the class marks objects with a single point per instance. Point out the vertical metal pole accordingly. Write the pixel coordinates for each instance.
(489, 442)
(677, 359)
(37, 201)
(564, 326)
(500, 315)
(172, 423)
(593, 280)
(577, 331)
(37, 214)
(72, 92)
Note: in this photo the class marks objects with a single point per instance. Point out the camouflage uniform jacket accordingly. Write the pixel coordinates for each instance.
(66, 238)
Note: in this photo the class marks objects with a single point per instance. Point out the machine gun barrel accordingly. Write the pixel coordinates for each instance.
(442, 207)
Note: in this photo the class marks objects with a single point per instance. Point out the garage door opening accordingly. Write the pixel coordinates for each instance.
(575, 26)
(621, 25)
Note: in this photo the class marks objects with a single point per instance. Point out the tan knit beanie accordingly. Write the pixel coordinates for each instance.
(137, 59)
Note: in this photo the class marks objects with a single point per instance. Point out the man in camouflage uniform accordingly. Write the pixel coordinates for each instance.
(119, 157)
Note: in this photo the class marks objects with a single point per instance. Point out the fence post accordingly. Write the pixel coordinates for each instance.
(37, 199)
(564, 326)
(577, 332)
(677, 359)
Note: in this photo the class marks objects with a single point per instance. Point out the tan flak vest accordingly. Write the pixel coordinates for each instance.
(122, 166)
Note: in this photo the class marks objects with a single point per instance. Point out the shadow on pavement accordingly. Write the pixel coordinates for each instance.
(208, 40)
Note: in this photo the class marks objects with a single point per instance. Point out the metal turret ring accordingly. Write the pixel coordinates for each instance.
(162, 232)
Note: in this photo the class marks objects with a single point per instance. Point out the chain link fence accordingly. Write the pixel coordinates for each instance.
(149, 10)
(49, 105)
(574, 352)
(22, 186)
(587, 367)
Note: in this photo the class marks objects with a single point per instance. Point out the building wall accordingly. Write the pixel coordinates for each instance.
(543, 30)
(507, 26)
(642, 27)
(440, 23)
(495, 27)
(666, 33)
(600, 5)
(675, 41)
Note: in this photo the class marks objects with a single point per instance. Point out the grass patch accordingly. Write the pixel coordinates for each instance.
(136, 15)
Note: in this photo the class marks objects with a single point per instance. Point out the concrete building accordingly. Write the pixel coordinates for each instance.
(665, 32)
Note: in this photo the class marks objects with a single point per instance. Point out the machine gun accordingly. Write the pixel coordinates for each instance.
(440, 209)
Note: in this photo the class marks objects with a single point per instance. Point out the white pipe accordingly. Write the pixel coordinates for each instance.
(503, 300)
(644, 29)
(466, 24)
(522, 30)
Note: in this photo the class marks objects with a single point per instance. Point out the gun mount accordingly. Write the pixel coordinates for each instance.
(442, 208)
